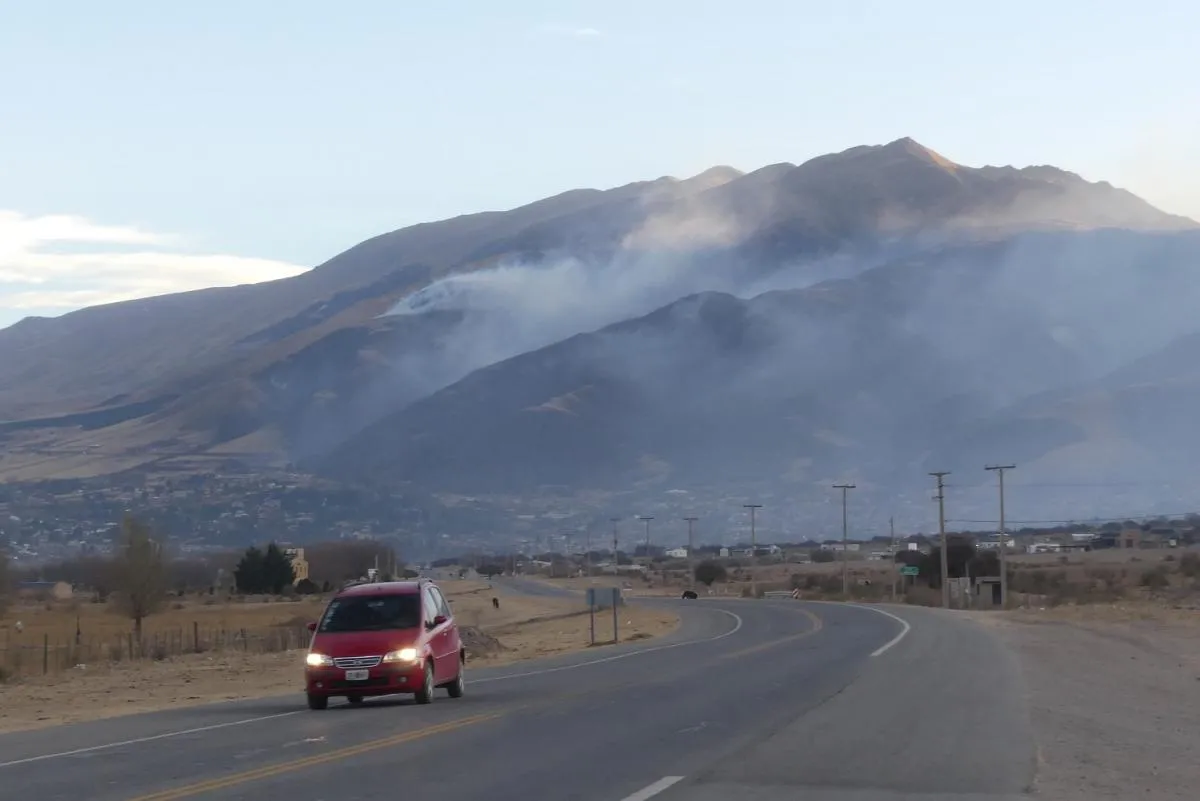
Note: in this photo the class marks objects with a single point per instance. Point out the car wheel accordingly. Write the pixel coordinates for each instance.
(317, 701)
(354, 699)
(458, 687)
(425, 694)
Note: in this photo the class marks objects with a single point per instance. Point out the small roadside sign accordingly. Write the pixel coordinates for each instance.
(910, 570)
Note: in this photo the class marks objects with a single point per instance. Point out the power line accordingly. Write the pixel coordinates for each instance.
(1122, 518)
(1097, 484)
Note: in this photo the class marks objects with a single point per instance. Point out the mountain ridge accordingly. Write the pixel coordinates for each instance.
(305, 364)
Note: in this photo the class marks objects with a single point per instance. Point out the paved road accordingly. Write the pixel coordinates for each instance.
(748, 700)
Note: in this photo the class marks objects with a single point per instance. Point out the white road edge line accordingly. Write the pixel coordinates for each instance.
(737, 625)
(151, 738)
(654, 789)
(904, 629)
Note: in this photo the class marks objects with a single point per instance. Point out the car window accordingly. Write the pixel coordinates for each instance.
(431, 607)
(371, 613)
(443, 606)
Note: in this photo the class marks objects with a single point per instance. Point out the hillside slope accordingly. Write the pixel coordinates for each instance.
(294, 368)
(903, 364)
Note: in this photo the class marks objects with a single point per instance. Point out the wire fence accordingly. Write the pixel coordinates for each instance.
(24, 656)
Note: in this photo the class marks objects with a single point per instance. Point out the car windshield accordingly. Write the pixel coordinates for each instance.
(373, 613)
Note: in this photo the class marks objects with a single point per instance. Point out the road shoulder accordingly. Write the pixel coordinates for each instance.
(1115, 703)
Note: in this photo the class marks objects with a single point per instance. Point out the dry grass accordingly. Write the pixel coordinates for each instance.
(54, 637)
(525, 628)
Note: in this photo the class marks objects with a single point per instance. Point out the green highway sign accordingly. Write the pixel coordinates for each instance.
(910, 570)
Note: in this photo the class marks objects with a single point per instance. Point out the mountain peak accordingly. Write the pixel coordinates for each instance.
(877, 159)
(912, 147)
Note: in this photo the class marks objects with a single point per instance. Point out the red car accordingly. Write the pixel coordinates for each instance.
(382, 639)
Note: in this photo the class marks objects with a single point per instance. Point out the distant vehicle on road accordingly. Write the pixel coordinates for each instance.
(382, 639)
(690, 595)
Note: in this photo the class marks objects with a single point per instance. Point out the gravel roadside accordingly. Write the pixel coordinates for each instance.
(1115, 702)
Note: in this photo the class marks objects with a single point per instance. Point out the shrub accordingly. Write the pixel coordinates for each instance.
(307, 587)
(708, 572)
(1155, 578)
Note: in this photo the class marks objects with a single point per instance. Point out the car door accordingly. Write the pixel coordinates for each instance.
(453, 641)
(436, 635)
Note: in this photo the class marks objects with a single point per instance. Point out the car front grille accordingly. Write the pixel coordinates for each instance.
(339, 684)
(351, 662)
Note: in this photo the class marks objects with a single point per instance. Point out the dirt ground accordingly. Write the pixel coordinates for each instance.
(1114, 694)
(523, 628)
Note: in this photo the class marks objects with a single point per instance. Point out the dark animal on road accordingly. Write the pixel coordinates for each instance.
(495, 603)
(690, 595)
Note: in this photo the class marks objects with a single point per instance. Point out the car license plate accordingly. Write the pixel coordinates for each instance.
(357, 675)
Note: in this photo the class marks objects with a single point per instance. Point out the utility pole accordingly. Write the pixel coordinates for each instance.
(845, 540)
(895, 569)
(691, 540)
(587, 553)
(753, 549)
(616, 561)
(1000, 468)
(646, 519)
(941, 499)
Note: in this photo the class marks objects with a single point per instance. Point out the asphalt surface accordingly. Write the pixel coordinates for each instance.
(747, 699)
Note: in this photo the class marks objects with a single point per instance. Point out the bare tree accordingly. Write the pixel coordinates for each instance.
(140, 573)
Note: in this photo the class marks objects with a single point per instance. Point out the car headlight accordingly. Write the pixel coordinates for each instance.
(401, 655)
(317, 660)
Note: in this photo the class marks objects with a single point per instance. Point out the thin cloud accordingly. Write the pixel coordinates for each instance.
(66, 262)
(572, 31)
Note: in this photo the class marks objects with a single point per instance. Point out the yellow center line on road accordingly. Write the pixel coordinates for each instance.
(270, 771)
(817, 625)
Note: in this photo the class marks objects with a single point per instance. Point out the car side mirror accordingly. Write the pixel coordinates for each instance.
(439, 620)
(312, 626)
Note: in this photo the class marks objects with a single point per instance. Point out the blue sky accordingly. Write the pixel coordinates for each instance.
(148, 146)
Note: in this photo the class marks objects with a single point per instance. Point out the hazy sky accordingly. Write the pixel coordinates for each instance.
(151, 146)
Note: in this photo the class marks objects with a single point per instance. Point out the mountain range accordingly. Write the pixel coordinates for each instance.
(871, 314)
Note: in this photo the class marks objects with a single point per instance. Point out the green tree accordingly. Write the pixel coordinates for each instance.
(277, 570)
(249, 574)
(140, 573)
(708, 571)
